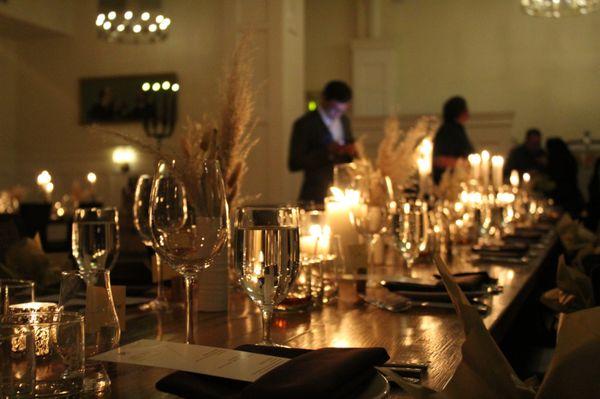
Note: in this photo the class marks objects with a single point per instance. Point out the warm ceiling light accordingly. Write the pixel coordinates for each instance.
(155, 86)
(152, 28)
(130, 24)
(100, 19)
(121, 27)
(159, 18)
(145, 16)
(559, 8)
(128, 15)
(175, 87)
(166, 84)
(106, 25)
(137, 28)
(146, 86)
(112, 15)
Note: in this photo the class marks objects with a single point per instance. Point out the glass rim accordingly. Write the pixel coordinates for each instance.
(267, 208)
(96, 211)
(16, 283)
(72, 318)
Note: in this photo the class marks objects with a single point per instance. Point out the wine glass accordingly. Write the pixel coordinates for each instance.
(408, 230)
(95, 238)
(267, 256)
(141, 219)
(189, 220)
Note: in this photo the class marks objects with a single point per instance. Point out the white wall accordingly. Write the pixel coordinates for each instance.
(8, 118)
(546, 71)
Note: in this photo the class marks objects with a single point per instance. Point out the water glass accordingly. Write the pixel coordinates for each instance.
(409, 229)
(95, 238)
(57, 340)
(14, 292)
(267, 256)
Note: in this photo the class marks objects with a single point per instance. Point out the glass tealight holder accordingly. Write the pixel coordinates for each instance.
(17, 360)
(58, 346)
(299, 298)
(15, 292)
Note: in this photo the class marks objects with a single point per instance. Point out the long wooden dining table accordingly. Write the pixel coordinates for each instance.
(419, 335)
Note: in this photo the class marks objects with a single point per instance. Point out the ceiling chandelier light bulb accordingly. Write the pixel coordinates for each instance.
(100, 19)
(132, 22)
(155, 86)
(145, 86)
(166, 85)
(175, 87)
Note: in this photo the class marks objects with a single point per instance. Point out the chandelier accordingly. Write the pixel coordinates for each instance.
(559, 8)
(135, 22)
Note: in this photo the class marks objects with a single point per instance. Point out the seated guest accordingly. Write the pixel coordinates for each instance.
(451, 141)
(562, 170)
(527, 157)
(593, 207)
(320, 140)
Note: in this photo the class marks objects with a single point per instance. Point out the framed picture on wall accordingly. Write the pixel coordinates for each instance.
(124, 99)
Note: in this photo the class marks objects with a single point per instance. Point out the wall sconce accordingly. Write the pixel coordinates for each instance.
(123, 157)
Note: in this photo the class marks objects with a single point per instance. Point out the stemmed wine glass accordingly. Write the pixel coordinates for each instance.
(141, 219)
(95, 238)
(267, 256)
(189, 219)
(408, 230)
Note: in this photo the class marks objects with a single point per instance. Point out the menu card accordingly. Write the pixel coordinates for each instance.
(208, 360)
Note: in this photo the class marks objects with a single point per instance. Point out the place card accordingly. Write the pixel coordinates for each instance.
(207, 360)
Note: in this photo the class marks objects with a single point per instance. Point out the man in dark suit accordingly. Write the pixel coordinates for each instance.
(321, 139)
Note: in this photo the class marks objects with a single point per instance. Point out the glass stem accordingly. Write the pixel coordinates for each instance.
(189, 324)
(159, 285)
(267, 315)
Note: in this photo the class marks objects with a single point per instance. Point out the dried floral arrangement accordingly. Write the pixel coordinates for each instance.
(228, 136)
(453, 180)
(397, 152)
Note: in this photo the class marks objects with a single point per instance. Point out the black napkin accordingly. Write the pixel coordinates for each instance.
(472, 281)
(514, 249)
(329, 372)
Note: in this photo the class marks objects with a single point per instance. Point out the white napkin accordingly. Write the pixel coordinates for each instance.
(573, 235)
(574, 371)
(484, 372)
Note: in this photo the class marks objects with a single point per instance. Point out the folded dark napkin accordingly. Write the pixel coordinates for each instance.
(506, 249)
(472, 281)
(328, 372)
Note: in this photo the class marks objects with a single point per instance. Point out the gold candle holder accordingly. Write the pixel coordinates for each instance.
(33, 313)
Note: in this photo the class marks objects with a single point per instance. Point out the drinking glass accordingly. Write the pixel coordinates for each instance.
(189, 220)
(141, 219)
(15, 291)
(408, 230)
(89, 294)
(58, 343)
(267, 256)
(95, 238)
(17, 367)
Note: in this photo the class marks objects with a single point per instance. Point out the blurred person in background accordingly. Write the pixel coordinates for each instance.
(527, 157)
(562, 169)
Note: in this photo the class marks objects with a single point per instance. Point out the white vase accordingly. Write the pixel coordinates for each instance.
(211, 285)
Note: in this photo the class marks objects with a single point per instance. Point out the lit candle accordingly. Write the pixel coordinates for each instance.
(338, 209)
(526, 179)
(497, 166)
(424, 164)
(485, 168)
(315, 244)
(475, 163)
(514, 179)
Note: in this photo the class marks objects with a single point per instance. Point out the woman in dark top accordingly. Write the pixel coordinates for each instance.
(451, 141)
(562, 170)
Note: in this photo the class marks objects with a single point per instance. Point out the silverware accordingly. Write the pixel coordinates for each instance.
(401, 304)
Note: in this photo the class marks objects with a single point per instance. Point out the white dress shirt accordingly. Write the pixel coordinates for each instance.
(335, 127)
